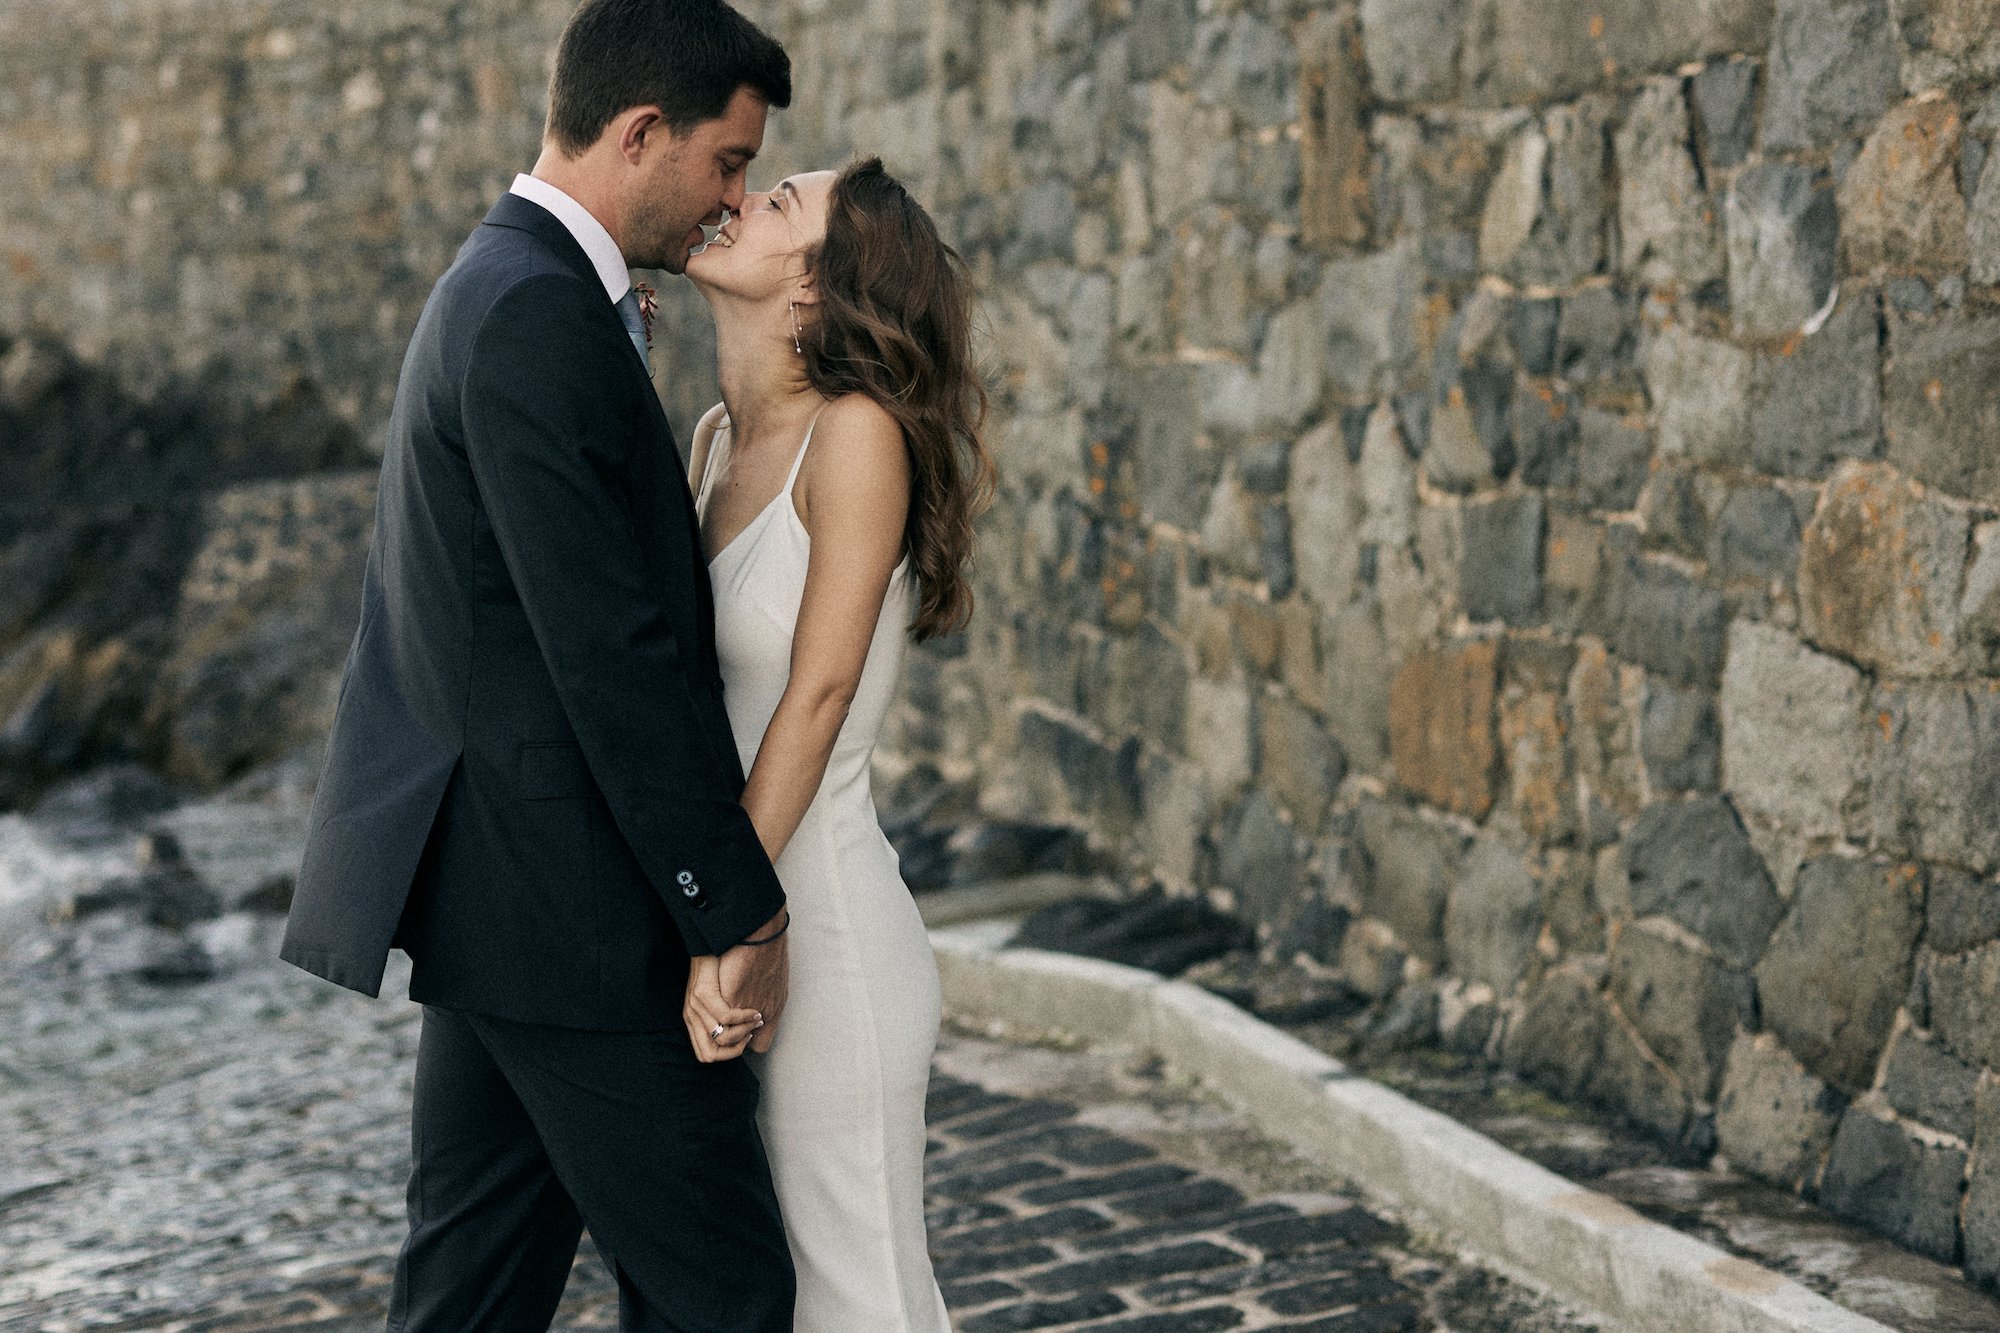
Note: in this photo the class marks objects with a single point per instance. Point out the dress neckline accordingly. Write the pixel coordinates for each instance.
(784, 491)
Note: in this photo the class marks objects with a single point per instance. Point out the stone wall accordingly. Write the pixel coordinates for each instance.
(1501, 492)
(1507, 494)
(259, 192)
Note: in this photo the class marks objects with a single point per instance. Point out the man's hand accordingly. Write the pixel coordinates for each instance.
(741, 992)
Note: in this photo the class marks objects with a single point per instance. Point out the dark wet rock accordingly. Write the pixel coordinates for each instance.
(1162, 934)
(118, 944)
(167, 892)
(105, 804)
(981, 852)
(1277, 992)
(107, 493)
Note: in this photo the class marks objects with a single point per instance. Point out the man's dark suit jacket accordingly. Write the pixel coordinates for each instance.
(531, 784)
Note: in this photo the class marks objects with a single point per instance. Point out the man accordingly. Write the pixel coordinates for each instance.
(531, 786)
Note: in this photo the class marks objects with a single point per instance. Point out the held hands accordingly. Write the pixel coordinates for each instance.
(742, 992)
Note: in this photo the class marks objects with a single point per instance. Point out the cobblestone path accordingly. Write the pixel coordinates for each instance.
(232, 1157)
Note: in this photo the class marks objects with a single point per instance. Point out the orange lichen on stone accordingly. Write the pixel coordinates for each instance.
(1441, 726)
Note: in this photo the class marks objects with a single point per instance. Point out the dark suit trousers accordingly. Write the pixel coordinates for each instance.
(523, 1134)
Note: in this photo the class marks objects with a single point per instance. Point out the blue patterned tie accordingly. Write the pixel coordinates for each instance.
(628, 310)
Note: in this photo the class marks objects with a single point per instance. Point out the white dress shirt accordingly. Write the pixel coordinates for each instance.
(604, 254)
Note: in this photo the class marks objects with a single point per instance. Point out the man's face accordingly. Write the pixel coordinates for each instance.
(689, 180)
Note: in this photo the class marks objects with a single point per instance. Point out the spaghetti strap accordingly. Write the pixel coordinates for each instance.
(708, 463)
(799, 462)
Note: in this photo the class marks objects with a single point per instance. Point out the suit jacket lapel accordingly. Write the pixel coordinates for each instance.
(652, 474)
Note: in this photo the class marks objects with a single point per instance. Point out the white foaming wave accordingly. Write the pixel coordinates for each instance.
(36, 870)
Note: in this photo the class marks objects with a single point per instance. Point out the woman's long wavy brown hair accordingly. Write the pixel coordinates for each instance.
(894, 322)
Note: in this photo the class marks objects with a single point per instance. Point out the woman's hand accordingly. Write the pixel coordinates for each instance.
(704, 1012)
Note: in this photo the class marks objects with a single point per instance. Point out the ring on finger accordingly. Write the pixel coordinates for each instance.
(715, 1033)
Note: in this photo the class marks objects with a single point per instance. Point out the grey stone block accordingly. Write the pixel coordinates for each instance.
(1212, 283)
(1544, 218)
(1613, 456)
(1530, 51)
(1964, 994)
(1839, 963)
(1939, 409)
(1934, 770)
(1358, 670)
(1756, 536)
(1532, 326)
(1823, 399)
(1298, 759)
(1410, 865)
(1370, 312)
(1559, 1033)
(1679, 738)
(1668, 232)
(1243, 63)
(1502, 575)
(1291, 367)
(1686, 1004)
(1432, 175)
(1136, 683)
(1981, 1218)
(1692, 861)
(1794, 732)
(1783, 230)
(1725, 106)
(1927, 1083)
(1256, 857)
(1176, 473)
(1544, 426)
(1492, 916)
(1412, 47)
(1161, 33)
(1081, 774)
(1773, 1119)
(1982, 235)
(1044, 222)
(1676, 508)
(1703, 390)
(1961, 910)
(1832, 70)
(1567, 1038)
(1885, 1177)
(1597, 335)
(1665, 621)
(1324, 498)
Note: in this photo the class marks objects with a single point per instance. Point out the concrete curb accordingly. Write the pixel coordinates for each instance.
(1582, 1246)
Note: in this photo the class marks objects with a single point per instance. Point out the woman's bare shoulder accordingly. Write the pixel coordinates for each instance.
(857, 459)
(863, 432)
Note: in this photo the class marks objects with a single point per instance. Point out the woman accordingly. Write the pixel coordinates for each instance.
(836, 484)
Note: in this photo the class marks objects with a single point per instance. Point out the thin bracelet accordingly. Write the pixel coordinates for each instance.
(776, 934)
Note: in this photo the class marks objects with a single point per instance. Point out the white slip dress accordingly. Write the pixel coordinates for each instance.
(842, 1112)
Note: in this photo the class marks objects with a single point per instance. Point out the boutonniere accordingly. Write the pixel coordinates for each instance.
(649, 306)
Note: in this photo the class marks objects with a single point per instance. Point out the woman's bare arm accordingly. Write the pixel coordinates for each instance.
(853, 495)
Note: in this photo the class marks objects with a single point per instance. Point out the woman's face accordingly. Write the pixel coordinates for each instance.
(761, 252)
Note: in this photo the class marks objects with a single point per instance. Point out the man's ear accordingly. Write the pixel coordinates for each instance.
(638, 128)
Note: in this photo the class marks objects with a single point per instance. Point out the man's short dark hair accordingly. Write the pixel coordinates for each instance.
(687, 57)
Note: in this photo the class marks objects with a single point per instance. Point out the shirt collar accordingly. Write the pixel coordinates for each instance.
(597, 244)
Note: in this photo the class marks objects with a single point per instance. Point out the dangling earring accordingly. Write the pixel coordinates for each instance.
(794, 307)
